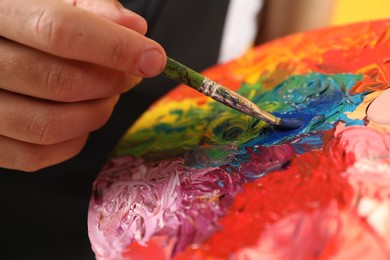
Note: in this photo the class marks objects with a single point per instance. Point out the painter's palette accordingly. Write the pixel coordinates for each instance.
(193, 179)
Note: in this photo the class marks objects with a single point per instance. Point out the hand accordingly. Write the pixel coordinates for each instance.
(63, 65)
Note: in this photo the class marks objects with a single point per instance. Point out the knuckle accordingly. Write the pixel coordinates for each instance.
(43, 129)
(62, 82)
(48, 27)
(36, 157)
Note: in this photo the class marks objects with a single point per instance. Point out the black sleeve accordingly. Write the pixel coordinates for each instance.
(44, 214)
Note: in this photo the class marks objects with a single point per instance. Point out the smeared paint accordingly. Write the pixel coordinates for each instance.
(236, 101)
(320, 100)
(134, 200)
(194, 180)
(302, 212)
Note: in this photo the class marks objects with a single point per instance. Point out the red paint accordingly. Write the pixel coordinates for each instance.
(311, 182)
(136, 251)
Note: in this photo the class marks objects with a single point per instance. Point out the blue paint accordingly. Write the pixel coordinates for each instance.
(320, 100)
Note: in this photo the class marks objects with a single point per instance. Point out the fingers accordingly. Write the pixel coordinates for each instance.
(31, 72)
(63, 30)
(35, 134)
(23, 156)
(113, 11)
(45, 122)
(62, 66)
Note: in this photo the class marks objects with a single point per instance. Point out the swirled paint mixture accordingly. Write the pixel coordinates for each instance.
(193, 179)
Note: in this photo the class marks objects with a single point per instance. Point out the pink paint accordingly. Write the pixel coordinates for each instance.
(134, 201)
(166, 206)
(128, 208)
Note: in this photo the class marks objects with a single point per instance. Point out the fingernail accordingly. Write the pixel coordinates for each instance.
(151, 63)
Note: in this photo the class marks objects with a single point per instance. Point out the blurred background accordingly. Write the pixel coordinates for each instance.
(302, 15)
(348, 11)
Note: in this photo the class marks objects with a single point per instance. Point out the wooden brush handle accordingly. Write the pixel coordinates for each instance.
(182, 74)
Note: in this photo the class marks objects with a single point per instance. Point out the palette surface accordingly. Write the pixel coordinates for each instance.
(193, 179)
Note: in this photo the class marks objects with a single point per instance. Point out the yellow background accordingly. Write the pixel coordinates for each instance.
(349, 11)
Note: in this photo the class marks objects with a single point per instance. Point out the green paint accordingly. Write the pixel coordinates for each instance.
(322, 99)
(182, 74)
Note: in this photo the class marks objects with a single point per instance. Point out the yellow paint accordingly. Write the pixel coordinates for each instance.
(360, 112)
(350, 11)
(161, 112)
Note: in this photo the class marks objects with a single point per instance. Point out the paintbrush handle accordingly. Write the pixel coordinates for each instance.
(182, 74)
(179, 72)
(193, 79)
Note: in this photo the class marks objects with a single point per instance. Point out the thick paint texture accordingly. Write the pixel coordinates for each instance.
(193, 179)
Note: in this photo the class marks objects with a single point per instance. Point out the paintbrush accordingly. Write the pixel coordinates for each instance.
(193, 79)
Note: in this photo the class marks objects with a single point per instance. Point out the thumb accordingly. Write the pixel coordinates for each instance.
(114, 11)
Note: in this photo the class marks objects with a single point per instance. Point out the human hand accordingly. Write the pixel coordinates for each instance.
(63, 65)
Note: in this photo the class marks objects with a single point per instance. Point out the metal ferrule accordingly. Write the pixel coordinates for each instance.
(236, 101)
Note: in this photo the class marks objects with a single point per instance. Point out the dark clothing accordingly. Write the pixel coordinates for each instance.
(44, 214)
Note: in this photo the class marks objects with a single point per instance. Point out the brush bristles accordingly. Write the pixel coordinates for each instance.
(289, 123)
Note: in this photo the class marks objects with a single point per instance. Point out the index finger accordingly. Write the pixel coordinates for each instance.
(67, 31)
